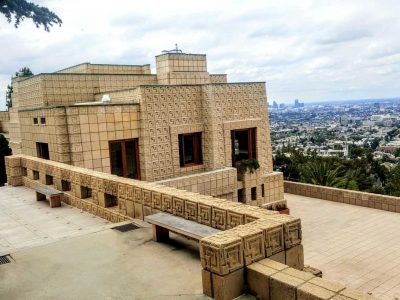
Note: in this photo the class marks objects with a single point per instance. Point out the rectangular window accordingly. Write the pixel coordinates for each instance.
(35, 175)
(65, 185)
(241, 196)
(35, 121)
(86, 192)
(24, 171)
(253, 193)
(243, 144)
(43, 150)
(190, 151)
(262, 190)
(42, 120)
(124, 156)
(49, 179)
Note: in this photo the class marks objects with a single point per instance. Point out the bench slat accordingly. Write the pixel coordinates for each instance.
(181, 226)
(48, 191)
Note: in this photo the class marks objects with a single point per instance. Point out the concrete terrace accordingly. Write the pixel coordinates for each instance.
(354, 245)
(25, 222)
(65, 253)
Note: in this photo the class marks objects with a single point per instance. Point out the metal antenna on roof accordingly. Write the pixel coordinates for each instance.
(176, 50)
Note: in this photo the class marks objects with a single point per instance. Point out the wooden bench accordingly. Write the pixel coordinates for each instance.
(46, 192)
(163, 223)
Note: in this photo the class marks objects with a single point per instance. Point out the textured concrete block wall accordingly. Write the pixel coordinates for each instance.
(220, 183)
(270, 280)
(66, 89)
(4, 121)
(383, 202)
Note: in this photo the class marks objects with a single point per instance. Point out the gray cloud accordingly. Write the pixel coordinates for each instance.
(311, 50)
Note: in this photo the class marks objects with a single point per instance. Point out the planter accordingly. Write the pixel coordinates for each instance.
(285, 211)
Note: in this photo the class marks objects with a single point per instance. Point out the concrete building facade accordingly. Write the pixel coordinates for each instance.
(182, 127)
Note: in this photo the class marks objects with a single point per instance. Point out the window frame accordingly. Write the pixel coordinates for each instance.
(40, 151)
(251, 143)
(197, 146)
(123, 150)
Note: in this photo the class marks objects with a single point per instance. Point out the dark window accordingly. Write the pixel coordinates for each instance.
(35, 175)
(190, 149)
(43, 150)
(86, 192)
(262, 191)
(124, 156)
(35, 121)
(110, 200)
(49, 179)
(65, 185)
(42, 120)
(241, 196)
(253, 193)
(243, 144)
(24, 171)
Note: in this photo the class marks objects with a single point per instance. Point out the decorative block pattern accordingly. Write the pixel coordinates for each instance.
(273, 236)
(253, 242)
(222, 253)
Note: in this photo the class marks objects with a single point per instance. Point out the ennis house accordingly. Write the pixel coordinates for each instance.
(181, 127)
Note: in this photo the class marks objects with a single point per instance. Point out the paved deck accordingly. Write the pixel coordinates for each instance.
(63, 253)
(354, 245)
(25, 222)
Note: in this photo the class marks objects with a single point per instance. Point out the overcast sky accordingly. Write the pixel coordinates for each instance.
(310, 50)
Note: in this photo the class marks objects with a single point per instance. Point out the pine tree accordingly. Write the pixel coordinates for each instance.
(20, 10)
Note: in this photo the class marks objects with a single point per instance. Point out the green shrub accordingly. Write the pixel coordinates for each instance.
(247, 165)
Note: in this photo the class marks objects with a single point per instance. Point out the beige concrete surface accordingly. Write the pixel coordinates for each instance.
(25, 222)
(357, 246)
(104, 265)
(83, 258)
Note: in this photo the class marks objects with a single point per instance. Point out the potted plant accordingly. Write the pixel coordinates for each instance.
(247, 166)
(282, 208)
(279, 206)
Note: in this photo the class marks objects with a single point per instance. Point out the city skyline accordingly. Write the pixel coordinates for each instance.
(309, 50)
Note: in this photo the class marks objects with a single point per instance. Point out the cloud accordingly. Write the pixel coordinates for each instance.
(310, 50)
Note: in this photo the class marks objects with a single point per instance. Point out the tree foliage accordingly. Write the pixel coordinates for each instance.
(9, 92)
(19, 10)
(359, 172)
(23, 72)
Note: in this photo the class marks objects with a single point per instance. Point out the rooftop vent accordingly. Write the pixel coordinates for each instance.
(106, 99)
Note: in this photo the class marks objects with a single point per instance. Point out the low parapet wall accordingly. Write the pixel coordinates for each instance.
(249, 234)
(377, 201)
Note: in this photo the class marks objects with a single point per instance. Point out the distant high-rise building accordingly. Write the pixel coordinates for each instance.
(298, 104)
(275, 105)
(343, 120)
(282, 105)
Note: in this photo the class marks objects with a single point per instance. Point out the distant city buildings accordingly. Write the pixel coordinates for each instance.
(330, 129)
(297, 104)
